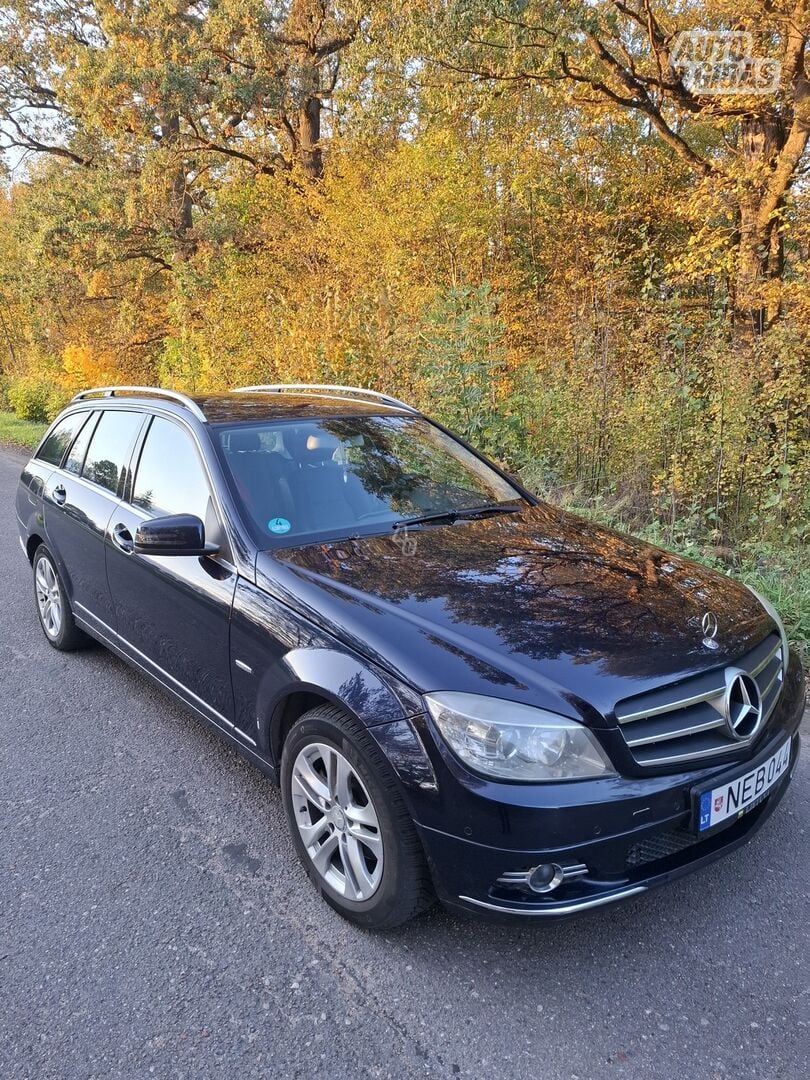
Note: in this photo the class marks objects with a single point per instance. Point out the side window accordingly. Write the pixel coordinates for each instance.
(170, 477)
(75, 459)
(110, 447)
(53, 449)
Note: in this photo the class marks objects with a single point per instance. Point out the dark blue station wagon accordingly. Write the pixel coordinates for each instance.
(463, 692)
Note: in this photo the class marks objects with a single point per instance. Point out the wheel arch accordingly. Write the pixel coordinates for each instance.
(31, 545)
(328, 677)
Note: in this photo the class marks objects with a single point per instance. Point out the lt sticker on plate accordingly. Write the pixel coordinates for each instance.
(278, 525)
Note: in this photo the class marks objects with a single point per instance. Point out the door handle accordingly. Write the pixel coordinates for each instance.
(59, 495)
(122, 538)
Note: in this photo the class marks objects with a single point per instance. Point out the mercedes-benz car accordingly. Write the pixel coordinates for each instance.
(463, 691)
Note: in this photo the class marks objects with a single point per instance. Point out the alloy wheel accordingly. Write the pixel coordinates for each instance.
(49, 597)
(337, 821)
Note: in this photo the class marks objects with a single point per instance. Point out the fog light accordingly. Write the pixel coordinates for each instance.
(546, 877)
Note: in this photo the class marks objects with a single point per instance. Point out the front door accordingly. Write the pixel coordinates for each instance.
(173, 611)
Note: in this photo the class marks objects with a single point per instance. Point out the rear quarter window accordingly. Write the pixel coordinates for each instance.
(53, 449)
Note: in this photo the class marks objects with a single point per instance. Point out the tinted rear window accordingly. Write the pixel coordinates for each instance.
(53, 449)
(110, 447)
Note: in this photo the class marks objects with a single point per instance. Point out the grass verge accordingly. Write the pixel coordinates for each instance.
(24, 434)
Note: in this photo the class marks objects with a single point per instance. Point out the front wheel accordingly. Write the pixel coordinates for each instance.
(349, 822)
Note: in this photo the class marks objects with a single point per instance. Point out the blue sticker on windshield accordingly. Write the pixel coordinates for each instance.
(278, 525)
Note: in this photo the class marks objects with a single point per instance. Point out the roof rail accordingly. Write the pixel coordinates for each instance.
(313, 388)
(154, 391)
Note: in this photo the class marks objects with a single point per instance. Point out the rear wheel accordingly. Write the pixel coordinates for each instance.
(55, 616)
(349, 822)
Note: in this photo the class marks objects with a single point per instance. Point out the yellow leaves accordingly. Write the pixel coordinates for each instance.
(84, 366)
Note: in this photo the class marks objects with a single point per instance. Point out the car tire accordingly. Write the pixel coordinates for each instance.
(53, 607)
(380, 880)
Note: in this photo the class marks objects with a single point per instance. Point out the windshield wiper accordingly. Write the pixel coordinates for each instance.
(449, 516)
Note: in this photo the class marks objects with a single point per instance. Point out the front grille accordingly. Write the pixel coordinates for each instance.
(685, 722)
(660, 846)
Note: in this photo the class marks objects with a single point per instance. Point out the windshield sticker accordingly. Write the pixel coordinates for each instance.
(278, 525)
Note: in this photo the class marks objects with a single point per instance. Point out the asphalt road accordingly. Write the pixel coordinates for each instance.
(154, 921)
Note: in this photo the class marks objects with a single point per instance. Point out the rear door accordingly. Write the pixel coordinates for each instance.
(174, 611)
(79, 499)
(49, 456)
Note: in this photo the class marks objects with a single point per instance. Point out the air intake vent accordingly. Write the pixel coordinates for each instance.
(659, 847)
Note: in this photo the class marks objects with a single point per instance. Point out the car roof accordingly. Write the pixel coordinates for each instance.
(251, 405)
(244, 408)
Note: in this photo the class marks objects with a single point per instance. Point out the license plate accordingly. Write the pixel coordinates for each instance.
(734, 797)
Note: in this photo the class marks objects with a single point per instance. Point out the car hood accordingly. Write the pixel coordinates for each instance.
(540, 606)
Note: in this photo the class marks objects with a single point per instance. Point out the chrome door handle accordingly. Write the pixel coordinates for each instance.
(122, 538)
(59, 495)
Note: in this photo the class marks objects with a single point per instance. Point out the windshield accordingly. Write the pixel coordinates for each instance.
(301, 481)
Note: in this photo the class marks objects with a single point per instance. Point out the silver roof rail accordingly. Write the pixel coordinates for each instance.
(149, 391)
(313, 388)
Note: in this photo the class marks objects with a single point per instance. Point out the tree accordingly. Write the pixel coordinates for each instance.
(626, 54)
(184, 84)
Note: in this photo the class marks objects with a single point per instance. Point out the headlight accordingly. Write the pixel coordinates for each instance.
(511, 741)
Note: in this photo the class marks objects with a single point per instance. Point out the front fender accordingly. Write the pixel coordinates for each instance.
(355, 688)
(281, 659)
(336, 676)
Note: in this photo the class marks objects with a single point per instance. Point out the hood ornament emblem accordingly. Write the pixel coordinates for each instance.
(709, 626)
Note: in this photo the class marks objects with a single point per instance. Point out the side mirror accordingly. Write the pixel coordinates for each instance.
(179, 534)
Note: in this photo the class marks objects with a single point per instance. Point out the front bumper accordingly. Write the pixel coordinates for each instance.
(631, 834)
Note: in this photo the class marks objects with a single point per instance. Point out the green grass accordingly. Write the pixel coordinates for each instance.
(23, 433)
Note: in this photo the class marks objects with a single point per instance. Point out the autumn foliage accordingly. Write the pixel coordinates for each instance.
(436, 199)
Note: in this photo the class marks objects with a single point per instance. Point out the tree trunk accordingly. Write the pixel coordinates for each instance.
(180, 197)
(760, 259)
(310, 156)
(304, 26)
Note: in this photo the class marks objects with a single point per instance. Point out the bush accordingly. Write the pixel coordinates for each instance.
(56, 400)
(29, 398)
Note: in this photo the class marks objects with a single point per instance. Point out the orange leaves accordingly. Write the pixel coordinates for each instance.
(83, 366)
